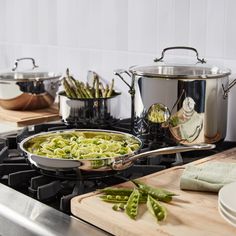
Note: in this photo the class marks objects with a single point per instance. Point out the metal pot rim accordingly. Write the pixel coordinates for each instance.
(62, 93)
(28, 76)
(177, 71)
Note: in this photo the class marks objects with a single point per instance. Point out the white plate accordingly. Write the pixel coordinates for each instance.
(232, 213)
(231, 220)
(227, 196)
(226, 211)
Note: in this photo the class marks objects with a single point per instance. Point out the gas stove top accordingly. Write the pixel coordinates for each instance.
(56, 189)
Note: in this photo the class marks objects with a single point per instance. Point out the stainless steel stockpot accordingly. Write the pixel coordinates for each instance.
(28, 90)
(195, 95)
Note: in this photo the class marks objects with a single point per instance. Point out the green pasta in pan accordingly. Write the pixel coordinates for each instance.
(82, 145)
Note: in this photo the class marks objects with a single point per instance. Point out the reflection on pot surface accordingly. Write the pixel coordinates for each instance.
(186, 124)
(89, 111)
(198, 110)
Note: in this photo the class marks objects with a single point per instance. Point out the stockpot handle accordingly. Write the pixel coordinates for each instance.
(119, 73)
(180, 47)
(131, 91)
(227, 90)
(24, 58)
(123, 163)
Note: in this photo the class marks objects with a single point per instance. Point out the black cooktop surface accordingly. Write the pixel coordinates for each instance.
(57, 188)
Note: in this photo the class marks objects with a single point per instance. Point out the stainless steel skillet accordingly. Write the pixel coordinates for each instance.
(118, 162)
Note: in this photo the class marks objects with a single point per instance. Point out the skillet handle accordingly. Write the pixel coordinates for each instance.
(123, 164)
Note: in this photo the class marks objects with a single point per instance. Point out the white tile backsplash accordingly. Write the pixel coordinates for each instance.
(181, 23)
(165, 24)
(142, 26)
(198, 24)
(103, 35)
(215, 38)
(2, 20)
(230, 30)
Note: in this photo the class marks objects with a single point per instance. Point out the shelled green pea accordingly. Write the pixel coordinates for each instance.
(119, 207)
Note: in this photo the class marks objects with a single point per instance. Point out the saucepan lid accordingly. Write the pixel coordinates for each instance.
(32, 74)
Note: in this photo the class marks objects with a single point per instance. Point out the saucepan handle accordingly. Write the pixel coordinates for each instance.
(180, 47)
(122, 164)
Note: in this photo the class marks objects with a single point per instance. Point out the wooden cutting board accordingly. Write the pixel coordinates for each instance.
(191, 213)
(24, 118)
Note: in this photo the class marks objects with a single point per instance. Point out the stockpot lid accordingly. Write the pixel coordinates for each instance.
(160, 69)
(33, 74)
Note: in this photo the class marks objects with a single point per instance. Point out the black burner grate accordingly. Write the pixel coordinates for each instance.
(56, 188)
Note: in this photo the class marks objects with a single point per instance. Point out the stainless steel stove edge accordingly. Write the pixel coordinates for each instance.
(22, 215)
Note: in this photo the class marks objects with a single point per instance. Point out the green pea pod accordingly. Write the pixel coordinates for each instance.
(120, 198)
(157, 193)
(132, 205)
(114, 198)
(156, 208)
(117, 191)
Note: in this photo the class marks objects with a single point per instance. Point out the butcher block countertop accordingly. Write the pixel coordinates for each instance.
(24, 118)
(191, 213)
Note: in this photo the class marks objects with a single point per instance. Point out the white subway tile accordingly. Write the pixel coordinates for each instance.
(230, 30)
(114, 21)
(10, 21)
(95, 34)
(181, 24)
(142, 26)
(47, 22)
(4, 57)
(21, 20)
(140, 59)
(76, 60)
(2, 20)
(67, 23)
(198, 22)
(215, 27)
(165, 24)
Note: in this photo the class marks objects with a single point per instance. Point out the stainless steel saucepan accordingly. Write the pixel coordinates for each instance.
(119, 162)
(29, 89)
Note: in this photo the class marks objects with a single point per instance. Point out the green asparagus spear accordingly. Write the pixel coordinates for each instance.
(69, 91)
(106, 91)
(111, 89)
(97, 88)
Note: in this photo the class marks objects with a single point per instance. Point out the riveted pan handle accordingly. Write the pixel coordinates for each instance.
(179, 47)
(123, 164)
